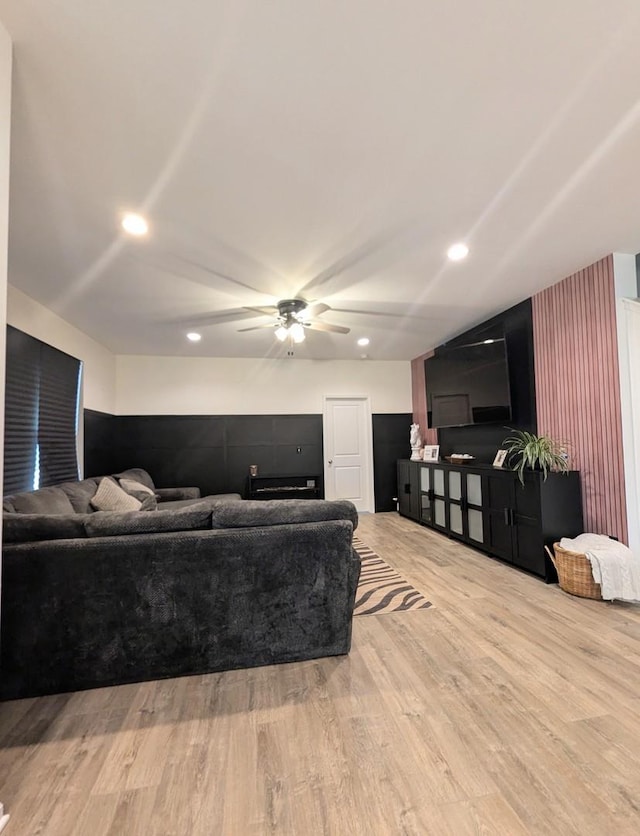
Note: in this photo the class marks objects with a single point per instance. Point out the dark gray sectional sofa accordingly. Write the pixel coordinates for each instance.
(94, 598)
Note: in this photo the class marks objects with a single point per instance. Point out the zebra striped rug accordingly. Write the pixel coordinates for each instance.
(381, 589)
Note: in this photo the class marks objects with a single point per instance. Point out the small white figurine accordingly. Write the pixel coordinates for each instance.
(416, 443)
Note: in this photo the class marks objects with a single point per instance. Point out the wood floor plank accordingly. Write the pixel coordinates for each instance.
(508, 707)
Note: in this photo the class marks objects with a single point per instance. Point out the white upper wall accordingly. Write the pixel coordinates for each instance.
(99, 385)
(221, 386)
(134, 385)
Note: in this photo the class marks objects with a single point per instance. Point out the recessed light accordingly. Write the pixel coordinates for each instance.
(457, 252)
(194, 337)
(363, 341)
(135, 224)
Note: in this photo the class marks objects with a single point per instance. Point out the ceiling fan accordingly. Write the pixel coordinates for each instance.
(293, 316)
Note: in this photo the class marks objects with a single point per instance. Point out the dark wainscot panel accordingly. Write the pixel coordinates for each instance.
(390, 443)
(99, 433)
(214, 452)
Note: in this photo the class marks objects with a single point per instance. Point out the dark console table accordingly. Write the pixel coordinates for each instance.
(285, 486)
(488, 508)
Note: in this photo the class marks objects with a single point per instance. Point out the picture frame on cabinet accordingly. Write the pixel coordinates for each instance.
(431, 453)
(499, 460)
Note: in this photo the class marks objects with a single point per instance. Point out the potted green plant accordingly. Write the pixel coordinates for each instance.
(535, 452)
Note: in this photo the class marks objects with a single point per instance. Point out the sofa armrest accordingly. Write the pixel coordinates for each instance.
(167, 494)
(251, 513)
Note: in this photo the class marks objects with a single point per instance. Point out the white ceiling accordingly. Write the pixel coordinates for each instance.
(331, 150)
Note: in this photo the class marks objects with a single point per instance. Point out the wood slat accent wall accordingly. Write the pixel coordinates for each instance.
(577, 387)
(419, 395)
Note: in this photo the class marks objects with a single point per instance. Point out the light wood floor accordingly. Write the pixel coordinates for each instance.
(509, 708)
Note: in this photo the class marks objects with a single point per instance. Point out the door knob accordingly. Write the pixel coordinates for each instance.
(330, 461)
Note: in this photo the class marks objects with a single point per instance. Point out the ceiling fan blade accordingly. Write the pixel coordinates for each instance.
(269, 310)
(314, 309)
(213, 272)
(326, 326)
(219, 318)
(402, 315)
(258, 327)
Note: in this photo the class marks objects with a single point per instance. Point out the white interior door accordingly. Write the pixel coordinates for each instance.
(348, 451)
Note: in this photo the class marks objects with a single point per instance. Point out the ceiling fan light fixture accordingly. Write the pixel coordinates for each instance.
(297, 332)
(194, 336)
(363, 341)
(281, 333)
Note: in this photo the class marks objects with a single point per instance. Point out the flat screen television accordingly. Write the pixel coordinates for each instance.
(468, 384)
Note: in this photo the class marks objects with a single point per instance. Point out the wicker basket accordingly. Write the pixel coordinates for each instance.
(574, 572)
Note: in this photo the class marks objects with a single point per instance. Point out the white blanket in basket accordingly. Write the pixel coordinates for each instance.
(613, 565)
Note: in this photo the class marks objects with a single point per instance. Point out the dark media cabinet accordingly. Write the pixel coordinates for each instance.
(489, 508)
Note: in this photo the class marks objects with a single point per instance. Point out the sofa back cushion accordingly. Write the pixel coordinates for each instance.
(42, 501)
(80, 494)
(109, 524)
(28, 528)
(251, 513)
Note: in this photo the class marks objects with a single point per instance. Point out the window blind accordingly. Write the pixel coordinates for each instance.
(21, 411)
(41, 414)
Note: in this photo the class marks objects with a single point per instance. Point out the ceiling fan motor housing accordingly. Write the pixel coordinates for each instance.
(288, 309)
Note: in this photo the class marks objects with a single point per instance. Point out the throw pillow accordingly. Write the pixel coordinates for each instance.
(111, 497)
(149, 501)
(142, 492)
(130, 485)
(138, 474)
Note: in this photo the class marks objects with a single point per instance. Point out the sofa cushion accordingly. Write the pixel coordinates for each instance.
(80, 494)
(108, 524)
(28, 528)
(42, 501)
(138, 474)
(111, 497)
(177, 494)
(212, 499)
(252, 513)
